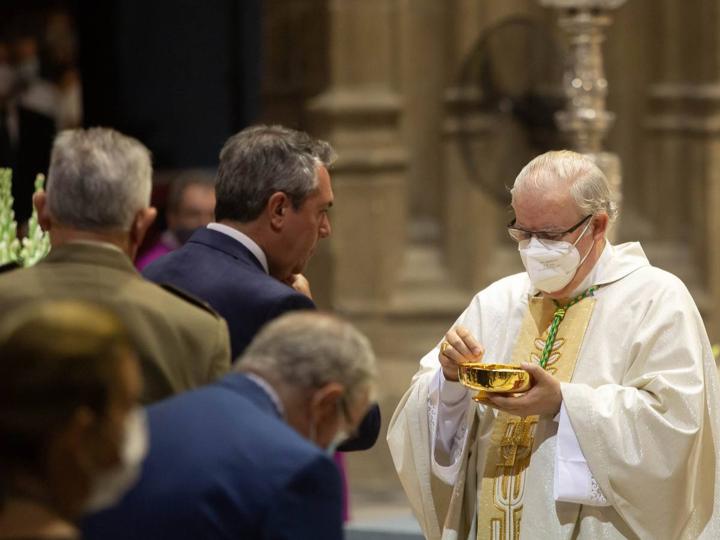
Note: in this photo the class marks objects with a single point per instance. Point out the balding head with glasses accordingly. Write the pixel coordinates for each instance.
(595, 372)
(563, 206)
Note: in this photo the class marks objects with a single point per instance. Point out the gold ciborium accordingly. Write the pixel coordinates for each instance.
(493, 378)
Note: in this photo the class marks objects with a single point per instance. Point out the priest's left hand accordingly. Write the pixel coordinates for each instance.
(543, 398)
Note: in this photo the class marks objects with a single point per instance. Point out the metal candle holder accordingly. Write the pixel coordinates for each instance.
(585, 119)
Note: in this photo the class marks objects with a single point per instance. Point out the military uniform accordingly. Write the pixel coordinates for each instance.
(180, 345)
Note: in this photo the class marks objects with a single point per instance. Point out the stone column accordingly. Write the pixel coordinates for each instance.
(422, 73)
(702, 185)
(683, 154)
(474, 221)
(630, 53)
(359, 114)
(585, 119)
(668, 122)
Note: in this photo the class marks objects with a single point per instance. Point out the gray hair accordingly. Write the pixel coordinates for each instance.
(307, 350)
(262, 160)
(588, 185)
(98, 179)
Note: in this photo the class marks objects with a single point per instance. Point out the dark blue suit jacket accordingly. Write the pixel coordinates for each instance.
(220, 270)
(223, 464)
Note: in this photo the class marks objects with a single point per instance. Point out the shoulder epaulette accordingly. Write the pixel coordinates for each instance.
(194, 300)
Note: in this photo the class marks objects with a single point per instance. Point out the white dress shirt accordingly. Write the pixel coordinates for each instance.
(245, 240)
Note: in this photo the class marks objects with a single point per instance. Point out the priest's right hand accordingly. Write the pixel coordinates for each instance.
(459, 346)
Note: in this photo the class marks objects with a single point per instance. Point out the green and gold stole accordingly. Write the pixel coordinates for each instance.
(542, 340)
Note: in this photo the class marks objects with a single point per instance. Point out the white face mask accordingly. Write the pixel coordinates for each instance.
(109, 486)
(552, 264)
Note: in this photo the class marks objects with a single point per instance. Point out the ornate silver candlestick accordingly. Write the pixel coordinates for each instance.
(585, 119)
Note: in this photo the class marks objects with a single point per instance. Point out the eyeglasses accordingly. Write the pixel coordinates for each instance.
(521, 234)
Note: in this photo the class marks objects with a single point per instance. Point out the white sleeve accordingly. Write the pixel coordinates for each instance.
(573, 481)
(447, 407)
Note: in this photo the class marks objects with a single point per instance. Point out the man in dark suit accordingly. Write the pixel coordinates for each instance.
(273, 195)
(247, 457)
(96, 210)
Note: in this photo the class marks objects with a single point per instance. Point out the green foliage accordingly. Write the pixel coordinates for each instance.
(37, 243)
(9, 244)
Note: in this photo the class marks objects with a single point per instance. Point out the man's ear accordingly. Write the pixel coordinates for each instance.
(600, 225)
(277, 207)
(39, 200)
(140, 225)
(324, 402)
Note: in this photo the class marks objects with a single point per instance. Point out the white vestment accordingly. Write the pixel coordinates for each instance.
(642, 403)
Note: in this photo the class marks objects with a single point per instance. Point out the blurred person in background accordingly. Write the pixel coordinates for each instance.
(190, 205)
(72, 436)
(26, 134)
(249, 456)
(35, 91)
(61, 48)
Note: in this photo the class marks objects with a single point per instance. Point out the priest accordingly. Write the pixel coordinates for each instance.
(619, 435)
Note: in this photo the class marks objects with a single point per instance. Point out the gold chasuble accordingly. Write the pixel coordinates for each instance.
(512, 442)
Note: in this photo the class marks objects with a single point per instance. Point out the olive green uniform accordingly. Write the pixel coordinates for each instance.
(180, 345)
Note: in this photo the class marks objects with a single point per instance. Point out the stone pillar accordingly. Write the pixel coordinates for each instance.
(468, 213)
(360, 115)
(585, 119)
(704, 145)
(630, 52)
(683, 154)
(472, 217)
(668, 122)
(422, 73)
(707, 295)
(474, 221)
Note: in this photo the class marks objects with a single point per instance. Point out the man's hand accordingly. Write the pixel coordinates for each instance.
(459, 346)
(300, 284)
(543, 398)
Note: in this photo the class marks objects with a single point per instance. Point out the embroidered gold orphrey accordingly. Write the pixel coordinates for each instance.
(503, 484)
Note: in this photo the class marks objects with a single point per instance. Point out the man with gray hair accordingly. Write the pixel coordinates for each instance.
(273, 195)
(96, 211)
(618, 435)
(248, 456)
